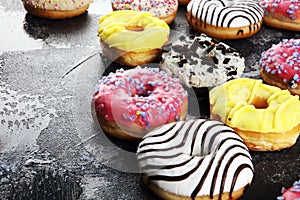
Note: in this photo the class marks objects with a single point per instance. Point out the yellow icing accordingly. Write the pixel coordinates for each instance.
(233, 102)
(113, 30)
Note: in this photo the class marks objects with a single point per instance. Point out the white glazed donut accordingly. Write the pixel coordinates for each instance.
(195, 159)
(202, 62)
(225, 19)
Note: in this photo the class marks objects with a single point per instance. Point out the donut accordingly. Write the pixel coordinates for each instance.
(266, 117)
(202, 61)
(195, 159)
(165, 10)
(56, 9)
(130, 103)
(281, 14)
(293, 193)
(225, 19)
(280, 65)
(132, 38)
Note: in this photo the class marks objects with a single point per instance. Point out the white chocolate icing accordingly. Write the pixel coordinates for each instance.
(57, 4)
(202, 62)
(195, 158)
(226, 13)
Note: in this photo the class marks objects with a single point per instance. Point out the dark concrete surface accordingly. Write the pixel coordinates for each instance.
(51, 148)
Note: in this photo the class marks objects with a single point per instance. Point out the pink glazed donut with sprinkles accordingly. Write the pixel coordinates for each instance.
(130, 103)
(280, 65)
(164, 9)
(282, 14)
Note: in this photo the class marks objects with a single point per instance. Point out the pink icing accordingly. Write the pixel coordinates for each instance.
(283, 61)
(293, 193)
(145, 97)
(284, 8)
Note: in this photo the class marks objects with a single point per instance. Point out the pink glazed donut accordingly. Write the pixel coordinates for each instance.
(280, 65)
(130, 103)
(283, 14)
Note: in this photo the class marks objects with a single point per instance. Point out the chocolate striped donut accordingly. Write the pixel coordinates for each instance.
(232, 19)
(194, 158)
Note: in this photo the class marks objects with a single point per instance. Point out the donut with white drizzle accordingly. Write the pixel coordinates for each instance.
(280, 65)
(195, 159)
(130, 103)
(225, 19)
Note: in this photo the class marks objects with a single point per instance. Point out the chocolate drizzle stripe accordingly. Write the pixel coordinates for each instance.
(213, 13)
(238, 16)
(161, 134)
(159, 157)
(216, 134)
(236, 174)
(216, 172)
(176, 178)
(223, 181)
(229, 138)
(171, 138)
(204, 136)
(156, 167)
(201, 182)
(194, 137)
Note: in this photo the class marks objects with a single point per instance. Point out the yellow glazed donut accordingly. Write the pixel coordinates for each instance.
(266, 117)
(56, 9)
(132, 38)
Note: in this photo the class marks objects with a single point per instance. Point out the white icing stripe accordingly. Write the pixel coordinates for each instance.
(195, 158)
(224, 13)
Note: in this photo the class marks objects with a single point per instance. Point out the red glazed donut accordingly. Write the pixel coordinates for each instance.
(292, 193)
(283, 14)
(280, 65)
(130, 103)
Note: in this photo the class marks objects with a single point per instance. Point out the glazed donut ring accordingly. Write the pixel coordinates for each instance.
(266, 117)
(195, 159)
(225, 19)
(282, 14)
(165, 10)
(280, 65)
(56, 9)
(132, 38)
(130, 103)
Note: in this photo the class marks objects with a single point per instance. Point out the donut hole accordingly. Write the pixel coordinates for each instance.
(260, 103)
(135, 28)
(143, 91)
